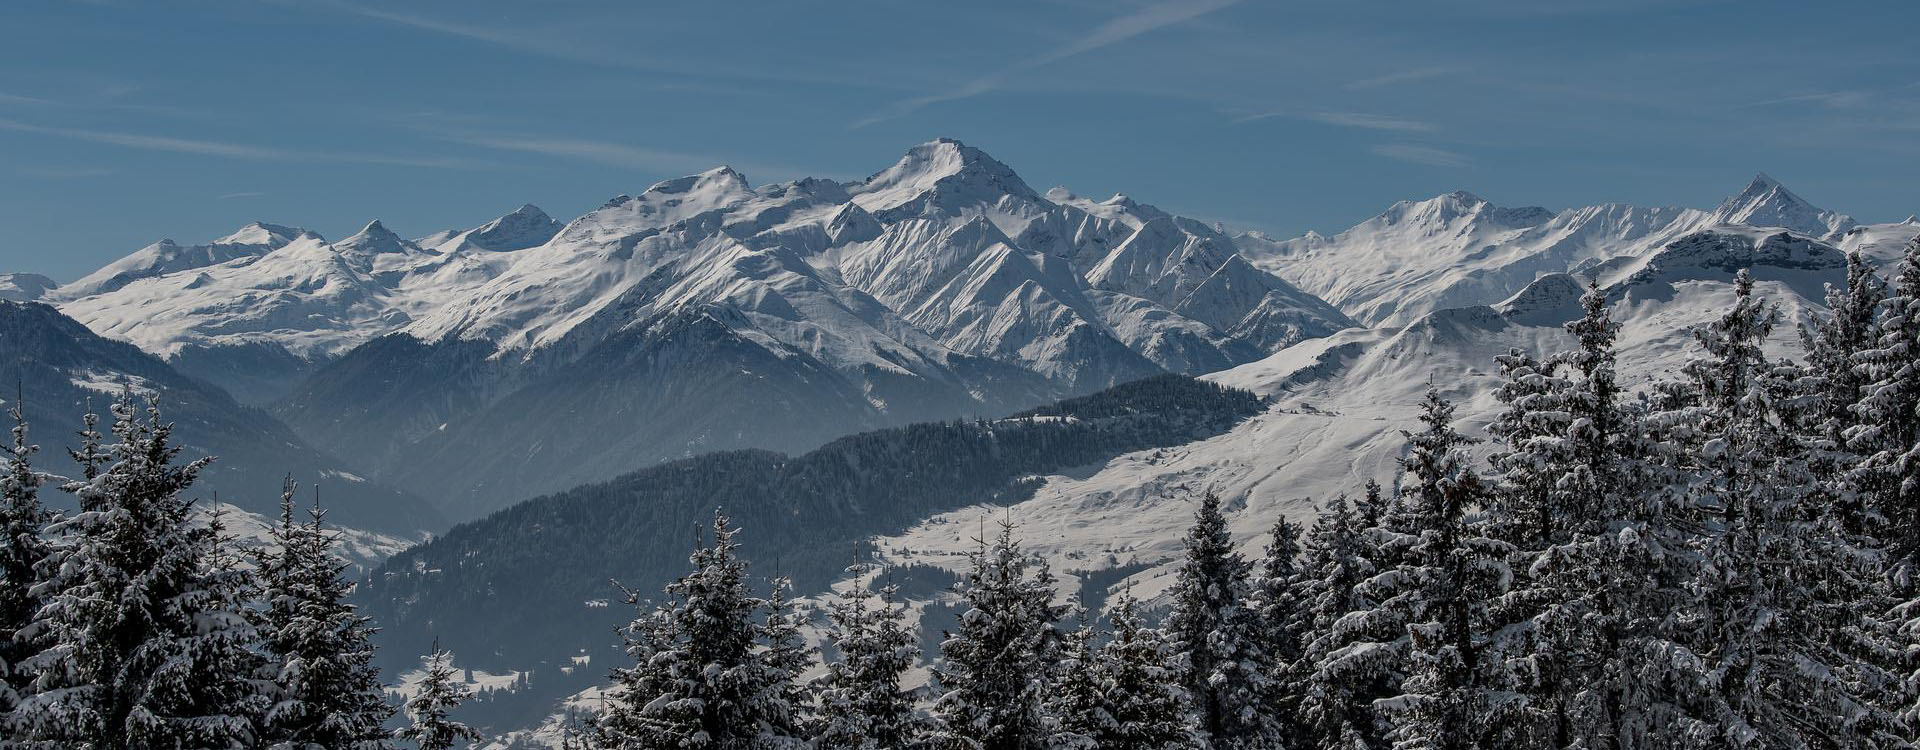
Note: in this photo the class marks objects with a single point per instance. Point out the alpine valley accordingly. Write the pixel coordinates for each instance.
(862, 368)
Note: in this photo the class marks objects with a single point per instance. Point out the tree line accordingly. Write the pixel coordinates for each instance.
(1724, 559)
(136, 623)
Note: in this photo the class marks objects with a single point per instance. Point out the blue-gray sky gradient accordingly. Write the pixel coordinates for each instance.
(125, 122)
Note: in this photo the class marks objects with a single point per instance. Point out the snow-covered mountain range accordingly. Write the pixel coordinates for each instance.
(705, 313)
(1458, 249)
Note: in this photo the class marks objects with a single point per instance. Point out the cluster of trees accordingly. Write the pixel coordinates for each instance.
(132, 622)
(1725, 560)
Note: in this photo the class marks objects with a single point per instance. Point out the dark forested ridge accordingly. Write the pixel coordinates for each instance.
(522, 579)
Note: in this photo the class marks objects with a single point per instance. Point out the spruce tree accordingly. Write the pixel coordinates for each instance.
(1218, 640)
(1338, 685)
(1775, 674)
(1122, 694)
(320, 656)
(1076, 706)
(1279, 604)
(786, 657)
(1887, 435)
(430, 724)
(1456, 693)
(1839, 348)
(21, 551)
(1532, 503)
(1149, 709)
(145, 643)
(698, 679)
(992, 672)
(862, 706)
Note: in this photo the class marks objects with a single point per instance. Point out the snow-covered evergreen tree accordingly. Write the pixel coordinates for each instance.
(698, 679)
(430, 724)
(1456, 692)
(1123, 694)
(1278, 601)
(1775, 675)
(146, 645)
(786, 656)
(1532, 504)
(21, 551)
(1839, 347)
(1887, 434)
(328, 693)
(992, 672)
(1076, 707)
(862, 706)
(1218, 638)
(1337, 685)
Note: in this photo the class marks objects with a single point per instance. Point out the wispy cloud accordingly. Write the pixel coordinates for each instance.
(1156, 16)
(16, 99)
(64, 173)
(244, 194)
(234, 150)
(1360, 120)
(1835, 99)
(573, 49)
(1407, 76)
(1428, 155)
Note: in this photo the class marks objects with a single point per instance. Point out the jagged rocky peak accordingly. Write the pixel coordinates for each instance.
(1764, 202)
(959, 173)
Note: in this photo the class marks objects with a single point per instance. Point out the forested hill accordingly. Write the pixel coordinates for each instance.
(529, 584)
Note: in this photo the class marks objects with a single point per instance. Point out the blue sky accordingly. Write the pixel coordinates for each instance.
(125, 122)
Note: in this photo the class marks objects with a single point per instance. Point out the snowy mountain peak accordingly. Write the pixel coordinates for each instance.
(24, 287)
(961, 174)
(375, 239)
(262, 233)
(1764, 202)
(718, 179)
(525, 227)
